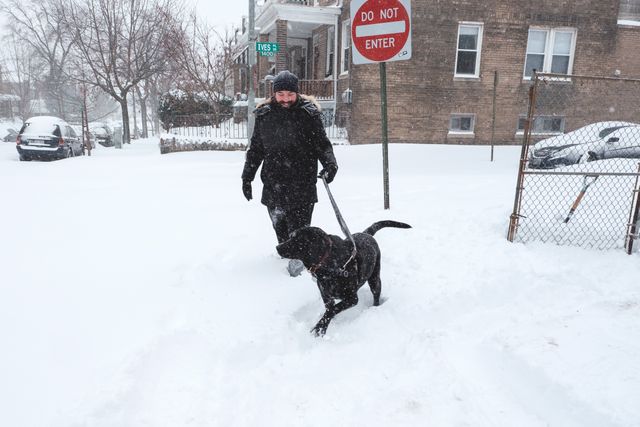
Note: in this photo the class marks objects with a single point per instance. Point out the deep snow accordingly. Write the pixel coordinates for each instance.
(140, 289)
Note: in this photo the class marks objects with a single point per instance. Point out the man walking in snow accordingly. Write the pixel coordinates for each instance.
(288, 140)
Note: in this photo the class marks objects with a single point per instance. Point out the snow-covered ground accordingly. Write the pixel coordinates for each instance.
(143, 290)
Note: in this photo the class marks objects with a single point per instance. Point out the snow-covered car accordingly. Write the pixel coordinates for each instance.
(92, 138)
(102, 133)
(10, 136)
(47, 137)
(591, 142)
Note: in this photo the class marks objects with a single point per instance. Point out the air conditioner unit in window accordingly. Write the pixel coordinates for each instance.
(347, 96)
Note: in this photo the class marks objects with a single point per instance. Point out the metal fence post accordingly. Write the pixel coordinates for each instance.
(513, 222)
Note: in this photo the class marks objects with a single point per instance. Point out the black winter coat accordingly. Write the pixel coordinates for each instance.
(288, 142)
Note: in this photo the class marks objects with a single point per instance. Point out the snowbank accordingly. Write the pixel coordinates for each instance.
(140, 289)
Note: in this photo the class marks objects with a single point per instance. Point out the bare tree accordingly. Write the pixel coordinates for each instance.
(121, 43)
(205, 59)
(39, 26)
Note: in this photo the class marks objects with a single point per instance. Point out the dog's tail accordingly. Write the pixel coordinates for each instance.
(382, 224)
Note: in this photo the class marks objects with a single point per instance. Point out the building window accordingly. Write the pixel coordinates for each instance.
(302, 74)
(550, 51)
(345, 53)
(629, 10)
(292, 61)
(330, 50)
(468, 52)
(543, 124)
(462, 123)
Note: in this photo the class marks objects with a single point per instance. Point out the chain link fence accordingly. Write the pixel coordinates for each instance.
(579, 171)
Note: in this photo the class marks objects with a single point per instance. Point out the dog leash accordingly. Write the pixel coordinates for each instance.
(343, 224)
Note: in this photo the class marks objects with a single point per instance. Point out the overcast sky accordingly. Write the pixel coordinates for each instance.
(222, 13)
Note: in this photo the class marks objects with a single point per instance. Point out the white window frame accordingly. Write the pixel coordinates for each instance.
(461, 132)
(345, 44)
(548, 49)
(627, 12)
(478, 50)
(331, 35)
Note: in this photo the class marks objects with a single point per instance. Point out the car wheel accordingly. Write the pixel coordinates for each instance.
(24, 158)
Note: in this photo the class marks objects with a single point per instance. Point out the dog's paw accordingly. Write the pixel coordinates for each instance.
(319, 330)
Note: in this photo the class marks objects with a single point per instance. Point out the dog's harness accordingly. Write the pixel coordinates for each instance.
(340, 272)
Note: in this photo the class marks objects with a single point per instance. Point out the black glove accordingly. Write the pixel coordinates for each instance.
(246, 190)
(328, 173)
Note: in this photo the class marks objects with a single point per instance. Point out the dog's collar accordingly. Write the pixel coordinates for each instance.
(341, 272)
(314, 268)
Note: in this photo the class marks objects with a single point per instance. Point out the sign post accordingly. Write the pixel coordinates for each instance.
(251, 94)
(385, 138)
(381, 32)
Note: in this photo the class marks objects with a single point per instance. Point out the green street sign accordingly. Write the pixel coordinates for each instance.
(267, 48)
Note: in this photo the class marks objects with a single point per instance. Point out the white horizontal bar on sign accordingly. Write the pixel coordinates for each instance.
(380, 29)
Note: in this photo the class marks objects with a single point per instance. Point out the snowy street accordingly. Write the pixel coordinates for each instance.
(143, 289)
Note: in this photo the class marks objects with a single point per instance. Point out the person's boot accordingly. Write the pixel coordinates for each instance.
(295, 267)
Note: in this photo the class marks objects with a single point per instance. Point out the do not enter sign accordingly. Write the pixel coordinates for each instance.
(380, 30)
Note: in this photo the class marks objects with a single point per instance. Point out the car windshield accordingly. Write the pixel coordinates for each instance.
(607, 131)
(40, 128)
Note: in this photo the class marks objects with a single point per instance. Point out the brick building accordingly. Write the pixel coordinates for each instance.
(463, 54)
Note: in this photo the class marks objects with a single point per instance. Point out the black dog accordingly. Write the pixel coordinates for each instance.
(329, 259)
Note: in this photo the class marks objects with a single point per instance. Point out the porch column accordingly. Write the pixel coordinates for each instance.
(281, 38)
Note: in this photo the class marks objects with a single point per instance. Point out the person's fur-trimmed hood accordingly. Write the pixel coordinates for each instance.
(309, 98)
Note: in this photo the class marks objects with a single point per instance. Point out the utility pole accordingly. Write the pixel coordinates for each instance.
(251, 101)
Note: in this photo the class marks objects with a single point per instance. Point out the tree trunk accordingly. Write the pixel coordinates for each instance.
(135, 114)
(143, 110)
(143, 113)
(154, 109)
(61, 107)
(126, 135)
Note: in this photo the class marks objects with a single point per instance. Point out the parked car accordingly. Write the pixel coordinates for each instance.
(47, 137)
(595, 141)
(92, 137)
(10, 136)
(102, 133)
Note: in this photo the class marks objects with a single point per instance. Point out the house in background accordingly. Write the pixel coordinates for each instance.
(9, 105)
(308, 34)
(462, 53)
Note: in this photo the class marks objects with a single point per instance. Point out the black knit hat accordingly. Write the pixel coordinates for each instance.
(285, 80)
